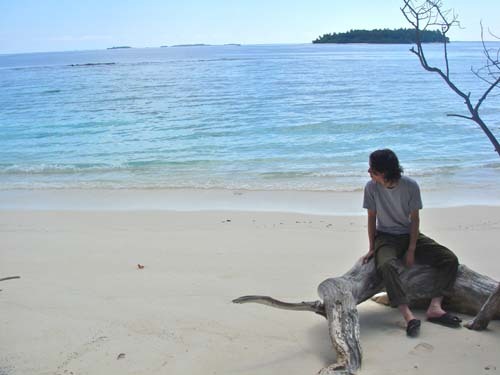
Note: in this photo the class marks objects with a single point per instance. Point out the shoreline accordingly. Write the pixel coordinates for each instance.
(189, 200)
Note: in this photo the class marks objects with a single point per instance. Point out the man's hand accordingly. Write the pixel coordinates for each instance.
(367, 256)
(410, 258)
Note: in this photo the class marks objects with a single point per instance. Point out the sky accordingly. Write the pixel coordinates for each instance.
(57, 25)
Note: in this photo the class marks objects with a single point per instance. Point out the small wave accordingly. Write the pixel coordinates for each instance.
(33, 67)
(284, 175)
(354, 174)
(121, 99)
(172, 61)
(55, 66)
(52, 169)
(428, 172)
(492, 165)
(227, 59)
(312, 174)
(162, 185)
(326, 127)
(99, 168)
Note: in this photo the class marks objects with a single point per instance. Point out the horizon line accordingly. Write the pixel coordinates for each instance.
(202, 45)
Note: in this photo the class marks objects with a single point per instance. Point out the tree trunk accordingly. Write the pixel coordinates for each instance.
(340, 296)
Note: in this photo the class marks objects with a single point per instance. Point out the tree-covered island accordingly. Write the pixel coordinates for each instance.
(383, 36)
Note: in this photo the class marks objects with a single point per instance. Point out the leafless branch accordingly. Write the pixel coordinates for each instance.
(461, 116)
(431, 13)
(486, 93)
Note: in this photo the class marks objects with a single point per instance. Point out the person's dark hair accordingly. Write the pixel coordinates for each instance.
(385, 161)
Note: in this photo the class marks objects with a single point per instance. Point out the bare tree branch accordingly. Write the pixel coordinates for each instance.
(486, 93)
(461, 116)
(431, 13)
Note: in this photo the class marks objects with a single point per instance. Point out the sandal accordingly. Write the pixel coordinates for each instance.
(447, 320)
(413, 328)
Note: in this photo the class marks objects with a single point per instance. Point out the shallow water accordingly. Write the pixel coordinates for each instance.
(295, 117)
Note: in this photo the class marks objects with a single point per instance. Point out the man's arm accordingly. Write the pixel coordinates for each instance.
(372, 221)
(414, 231)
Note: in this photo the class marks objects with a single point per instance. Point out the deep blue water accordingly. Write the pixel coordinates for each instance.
(300, 117)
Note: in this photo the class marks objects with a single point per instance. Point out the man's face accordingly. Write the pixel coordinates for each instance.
(376, 176)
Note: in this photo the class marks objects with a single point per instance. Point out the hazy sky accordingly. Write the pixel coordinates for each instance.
(57, 25)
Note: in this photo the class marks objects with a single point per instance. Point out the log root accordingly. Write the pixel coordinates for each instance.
(10, 278)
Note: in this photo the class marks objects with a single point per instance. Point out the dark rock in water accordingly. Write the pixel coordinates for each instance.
(119, 47)
(93, 64)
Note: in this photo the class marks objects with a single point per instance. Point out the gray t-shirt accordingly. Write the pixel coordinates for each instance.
(393, 206)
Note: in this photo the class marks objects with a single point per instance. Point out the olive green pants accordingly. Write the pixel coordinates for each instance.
(389, 248)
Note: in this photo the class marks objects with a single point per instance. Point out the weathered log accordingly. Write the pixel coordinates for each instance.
(342, 294)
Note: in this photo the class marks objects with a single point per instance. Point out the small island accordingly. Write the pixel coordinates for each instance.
(383, 36)
(192, 45)
(119, 47)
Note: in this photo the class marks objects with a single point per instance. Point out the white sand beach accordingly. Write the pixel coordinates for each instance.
(83, 306)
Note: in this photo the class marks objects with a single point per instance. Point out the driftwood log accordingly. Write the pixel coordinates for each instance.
(473, 294)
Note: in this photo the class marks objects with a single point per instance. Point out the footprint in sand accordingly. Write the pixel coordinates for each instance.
(422, 348)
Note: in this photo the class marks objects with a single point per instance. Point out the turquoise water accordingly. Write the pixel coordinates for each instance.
(297, 117)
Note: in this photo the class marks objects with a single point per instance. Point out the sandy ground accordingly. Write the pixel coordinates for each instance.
(82, 305)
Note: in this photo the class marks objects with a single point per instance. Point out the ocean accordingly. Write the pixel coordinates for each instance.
(255, 117)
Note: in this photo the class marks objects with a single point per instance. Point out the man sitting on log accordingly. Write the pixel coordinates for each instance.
(393, 202)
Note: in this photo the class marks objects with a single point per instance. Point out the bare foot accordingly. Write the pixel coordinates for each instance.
(434, 312)
(406, 312)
